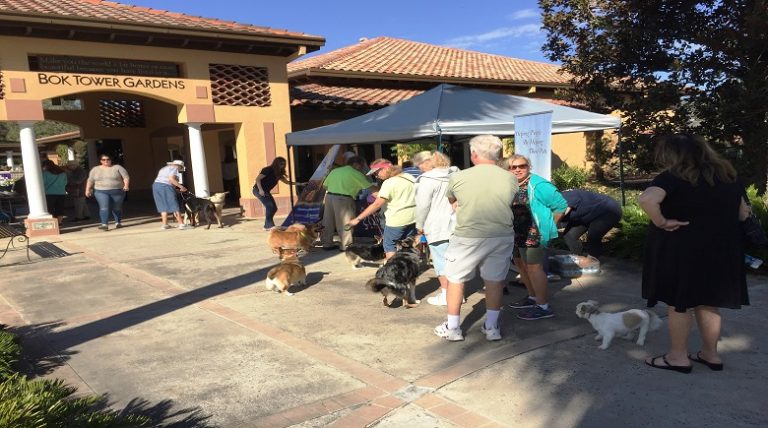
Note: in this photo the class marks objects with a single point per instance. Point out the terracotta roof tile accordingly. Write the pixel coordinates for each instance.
(386, 55)
(112, 11)
(341, 96)
(316, 95)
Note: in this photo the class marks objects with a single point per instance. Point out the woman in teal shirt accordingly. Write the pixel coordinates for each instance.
(536, 208)
(55, 183)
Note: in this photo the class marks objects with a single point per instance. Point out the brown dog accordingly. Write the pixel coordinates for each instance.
(289, 272)
(296, 236)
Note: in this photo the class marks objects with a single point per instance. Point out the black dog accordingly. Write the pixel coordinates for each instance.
(398, 276)
(358, 253)
(196, 208)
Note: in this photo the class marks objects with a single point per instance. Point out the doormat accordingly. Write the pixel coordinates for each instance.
(47, 250)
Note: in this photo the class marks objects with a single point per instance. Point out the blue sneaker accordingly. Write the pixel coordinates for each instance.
(536, 313)
(524, 303)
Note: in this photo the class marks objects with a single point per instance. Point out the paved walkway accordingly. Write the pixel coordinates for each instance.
(178, 324)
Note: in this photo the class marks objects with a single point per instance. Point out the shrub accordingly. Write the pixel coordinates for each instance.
(565, 177)
(760, 209)
(9, 354)
(629, 241)
(41, 403)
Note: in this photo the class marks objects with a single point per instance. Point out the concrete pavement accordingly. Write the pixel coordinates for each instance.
(178, 324)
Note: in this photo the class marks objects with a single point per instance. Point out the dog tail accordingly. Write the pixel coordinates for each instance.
(378, 284)
(655, 321)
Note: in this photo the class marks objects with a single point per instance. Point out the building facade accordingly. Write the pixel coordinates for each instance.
(147, 86)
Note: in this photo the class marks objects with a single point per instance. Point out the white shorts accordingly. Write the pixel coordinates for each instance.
(492, 255)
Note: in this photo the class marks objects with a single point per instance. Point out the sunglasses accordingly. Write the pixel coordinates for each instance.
(523, 166)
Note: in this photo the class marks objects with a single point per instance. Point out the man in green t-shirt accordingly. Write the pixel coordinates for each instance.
(483, 237)
(341, 188)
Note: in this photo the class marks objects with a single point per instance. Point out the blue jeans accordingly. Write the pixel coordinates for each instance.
(114, 197)
(270, 206)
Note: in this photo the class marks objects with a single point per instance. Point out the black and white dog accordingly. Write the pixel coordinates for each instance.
(357, 254)
(398, 275)
(198, 208)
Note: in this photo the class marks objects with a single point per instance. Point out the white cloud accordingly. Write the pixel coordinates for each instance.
(499, 34)
(523, 14)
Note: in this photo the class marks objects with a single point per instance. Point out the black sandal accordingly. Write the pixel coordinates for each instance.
(713, 366)
(679, 369)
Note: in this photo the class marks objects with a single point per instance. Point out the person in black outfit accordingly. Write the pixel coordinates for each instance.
(694, 255)
(265, 182)
(590, 213)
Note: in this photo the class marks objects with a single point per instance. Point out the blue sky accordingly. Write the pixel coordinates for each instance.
(503, 27)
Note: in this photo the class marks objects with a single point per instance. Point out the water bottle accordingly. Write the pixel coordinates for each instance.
(752, 262)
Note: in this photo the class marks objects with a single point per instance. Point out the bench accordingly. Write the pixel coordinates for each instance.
(14, 235)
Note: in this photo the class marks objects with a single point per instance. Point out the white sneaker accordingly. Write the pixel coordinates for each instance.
(491, 334)
(449, 334)
(442, 300)
(165, 227)
(439, 300)
(183, 226)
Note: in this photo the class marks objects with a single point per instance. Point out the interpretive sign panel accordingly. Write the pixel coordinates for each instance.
(533, 139)
(112, 66)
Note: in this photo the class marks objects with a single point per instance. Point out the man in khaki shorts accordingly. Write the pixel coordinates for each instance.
(483, 238)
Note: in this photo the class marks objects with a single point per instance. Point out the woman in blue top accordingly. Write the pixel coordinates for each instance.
(55, 183)
(537, 207)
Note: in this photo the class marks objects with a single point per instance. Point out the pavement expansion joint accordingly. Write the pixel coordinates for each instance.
(412, 392)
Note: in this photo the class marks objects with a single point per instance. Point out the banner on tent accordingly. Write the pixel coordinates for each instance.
(533, 139)
(310, 204)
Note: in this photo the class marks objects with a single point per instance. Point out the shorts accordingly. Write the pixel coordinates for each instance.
(437, 251)
(491, 255)
(393, 234)
(530, 255)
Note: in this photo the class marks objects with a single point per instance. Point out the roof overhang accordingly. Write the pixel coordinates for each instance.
(312, 73)
(110, 31)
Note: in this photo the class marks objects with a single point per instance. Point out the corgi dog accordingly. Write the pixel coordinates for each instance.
(295, 236)
(289, 272)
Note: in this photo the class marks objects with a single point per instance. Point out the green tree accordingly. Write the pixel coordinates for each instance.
(43, 128)
(670, 66)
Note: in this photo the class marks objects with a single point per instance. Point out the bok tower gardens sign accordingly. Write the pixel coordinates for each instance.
(105, 73)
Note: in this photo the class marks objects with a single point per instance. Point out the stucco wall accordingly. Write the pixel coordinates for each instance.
(256, 144)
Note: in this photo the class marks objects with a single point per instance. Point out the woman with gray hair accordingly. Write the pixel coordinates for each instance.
(435, 218)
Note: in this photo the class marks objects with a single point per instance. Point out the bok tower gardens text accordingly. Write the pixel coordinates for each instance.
(108, 81)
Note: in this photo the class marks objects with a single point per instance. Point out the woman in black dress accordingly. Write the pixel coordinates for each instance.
(694, 257)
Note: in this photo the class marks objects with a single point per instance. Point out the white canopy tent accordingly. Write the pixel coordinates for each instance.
(449, 110)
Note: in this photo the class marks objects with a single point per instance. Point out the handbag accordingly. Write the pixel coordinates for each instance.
(753, 233)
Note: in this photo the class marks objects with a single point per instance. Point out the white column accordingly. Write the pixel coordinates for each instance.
(33, 174)
(70, 153)
(197, 155)
(9, 158)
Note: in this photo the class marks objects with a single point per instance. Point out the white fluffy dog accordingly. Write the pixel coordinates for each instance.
(622, 324)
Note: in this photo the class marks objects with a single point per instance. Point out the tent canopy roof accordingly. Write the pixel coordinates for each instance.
(449, 110)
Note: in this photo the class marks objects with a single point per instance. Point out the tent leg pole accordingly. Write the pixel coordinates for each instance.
(290, 171)
(621, 170)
